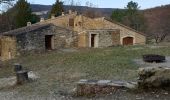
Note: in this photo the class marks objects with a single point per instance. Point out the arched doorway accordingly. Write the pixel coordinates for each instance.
(128, 41)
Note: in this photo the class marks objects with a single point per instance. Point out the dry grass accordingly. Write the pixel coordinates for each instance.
(59, 71)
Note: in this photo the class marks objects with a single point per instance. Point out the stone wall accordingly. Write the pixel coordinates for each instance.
(126, 32)
(35, 40)
(83, 39)
(105, 38)
(101, 23)
(116, 37)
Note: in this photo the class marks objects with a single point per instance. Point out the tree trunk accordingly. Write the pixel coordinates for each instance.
(22, 77)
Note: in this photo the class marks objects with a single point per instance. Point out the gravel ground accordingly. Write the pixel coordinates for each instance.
(117, 95)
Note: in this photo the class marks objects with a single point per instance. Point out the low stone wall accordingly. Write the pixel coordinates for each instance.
(93, 87)
(7, 48)
(149, 78)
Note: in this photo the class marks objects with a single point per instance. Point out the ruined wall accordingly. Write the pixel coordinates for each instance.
(101, 23)
(7, 48)
(62, 21)
(87, 23)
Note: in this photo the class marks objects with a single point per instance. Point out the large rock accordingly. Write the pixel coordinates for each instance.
(154, 77)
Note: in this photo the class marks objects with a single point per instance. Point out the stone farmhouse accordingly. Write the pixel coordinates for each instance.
(65, 31)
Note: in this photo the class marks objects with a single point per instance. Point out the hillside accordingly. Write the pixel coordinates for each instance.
(158, 21)
(41, 8)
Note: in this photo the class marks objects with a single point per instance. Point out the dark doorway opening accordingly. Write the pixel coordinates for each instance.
(71, 22)
(93, 40)
(128, 41)
(48, 42)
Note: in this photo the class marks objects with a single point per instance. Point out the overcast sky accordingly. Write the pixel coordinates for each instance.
(110, 3)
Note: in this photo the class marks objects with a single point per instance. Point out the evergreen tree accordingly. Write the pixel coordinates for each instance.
(23, 13)
(134, 16)
(57, 9)
(118, 15)
(131, 16)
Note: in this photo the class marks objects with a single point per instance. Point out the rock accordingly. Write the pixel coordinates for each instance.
(154, 77)
(131, 85)
(32, 75)
(118, 84)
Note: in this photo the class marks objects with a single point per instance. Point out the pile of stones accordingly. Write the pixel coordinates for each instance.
(92, 87)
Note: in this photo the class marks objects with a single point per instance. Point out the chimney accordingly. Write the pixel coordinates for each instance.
(75, 12)
(28, 23)
(62, 13)
(52, 16)
(42, 19)
(70, 11)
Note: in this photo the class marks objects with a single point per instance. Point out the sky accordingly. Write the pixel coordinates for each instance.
(144, 4)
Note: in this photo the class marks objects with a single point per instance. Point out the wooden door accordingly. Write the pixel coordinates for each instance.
(128, 41)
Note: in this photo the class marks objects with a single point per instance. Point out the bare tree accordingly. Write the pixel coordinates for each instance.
(5, 1)
(73, 5)
(159, 23)
(90, 10)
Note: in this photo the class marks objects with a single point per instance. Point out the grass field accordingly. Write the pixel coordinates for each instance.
(59, 70)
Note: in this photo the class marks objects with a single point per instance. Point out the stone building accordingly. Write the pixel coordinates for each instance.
(98, 32)
(67, 30)
(35, 38)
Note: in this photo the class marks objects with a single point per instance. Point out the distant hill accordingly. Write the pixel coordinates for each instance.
(43, 9)
(158, 17)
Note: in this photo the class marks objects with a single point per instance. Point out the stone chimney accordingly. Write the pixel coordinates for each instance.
(42, 19)
(28, 23)
(52, 16)
(75, 12)
(62, 13)
(70, 11)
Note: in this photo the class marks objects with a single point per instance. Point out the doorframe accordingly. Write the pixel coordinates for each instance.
(96, 43)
